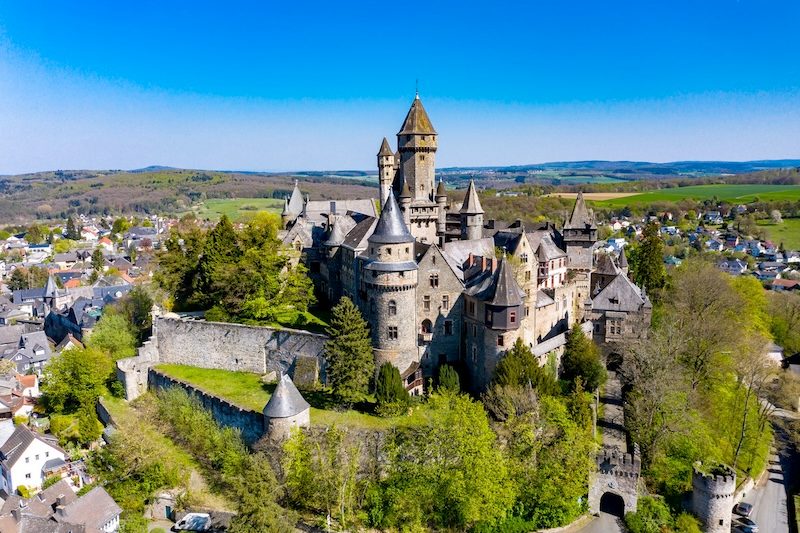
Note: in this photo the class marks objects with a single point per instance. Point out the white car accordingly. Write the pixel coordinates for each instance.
(193, 522)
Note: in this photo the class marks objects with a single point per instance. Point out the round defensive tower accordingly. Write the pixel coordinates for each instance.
(713, 487)
(390, 281)
(286, 409)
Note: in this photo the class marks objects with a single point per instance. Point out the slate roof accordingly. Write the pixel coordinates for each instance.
(605, 265)
(286, 401)
(391, 228)
(295, 204)
(417, 120)
(440, 190)
(623, 260)
(547, 249)
(471, 205)
(338, 231)
(457, 252)
(356, 238)
(93, 509)
(500, 288)
(621, 294)
(11, 451)
(580, 217)
(385, 148)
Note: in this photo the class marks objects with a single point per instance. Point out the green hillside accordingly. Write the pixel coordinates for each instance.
(724, 192)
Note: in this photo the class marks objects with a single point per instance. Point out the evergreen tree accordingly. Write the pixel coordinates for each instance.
(221, 250)
(73, 233)
(389, 391)
(97, 260)
(448, 379)
(582, 360)
(520, 367)
(349, 353)
(647, 261)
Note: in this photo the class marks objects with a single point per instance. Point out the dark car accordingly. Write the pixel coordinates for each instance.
(743, 509)
(746, 525)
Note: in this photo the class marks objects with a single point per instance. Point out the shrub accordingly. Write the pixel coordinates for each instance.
(652, 516)
(448, 379)
(389, 391)
(50, 481)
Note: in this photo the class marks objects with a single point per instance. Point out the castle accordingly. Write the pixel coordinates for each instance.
(438, 284)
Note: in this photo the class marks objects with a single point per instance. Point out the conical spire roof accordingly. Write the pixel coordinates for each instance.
(286, 401)
(506, 289)
(405, 192)
(623, 261)
(471, 205)
(385, 148)
(440, 190)
(579, 219)
(295, 204)
(391, 229)
(337, 234)
(417, 121)
(50, 288)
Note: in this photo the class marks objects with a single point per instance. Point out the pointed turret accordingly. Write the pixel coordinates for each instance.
(471, 205)
(405, 192)
(417, 121)
(440, 190)
(295, 204)
(391, 229)
(580, 217)
(336, 238)
(506, 289)
(385, 150)
(285, 410)
(623, 261)
(50, 288)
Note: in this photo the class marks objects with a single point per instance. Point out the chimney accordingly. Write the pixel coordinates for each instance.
(61, 510)
(483, 263)
(333, 207)
(470, 260)
(494, 264)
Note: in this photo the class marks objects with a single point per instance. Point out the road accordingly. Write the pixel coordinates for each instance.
(605, 523)
(770, 509)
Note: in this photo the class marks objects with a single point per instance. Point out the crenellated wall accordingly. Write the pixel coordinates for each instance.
(617, 473)
(713, 496)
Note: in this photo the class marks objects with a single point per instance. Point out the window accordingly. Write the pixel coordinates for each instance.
(434, 280)
(47, 454)
(426, 303)
(445, 302)
(433, 259)
(512, 317)
(392, 332)
(471, 308)
(474, 330)
(527, 275)
(489, 316)
(388, 251)
(527, 311)
(27, 459)
(500, 340)
(427, 326)
(448, 327)
(28, 475)
(392, 308)
(422, 157)
(37, 457)
(524, 258)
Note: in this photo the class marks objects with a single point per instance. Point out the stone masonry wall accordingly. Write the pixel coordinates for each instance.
(225, 413)
(235, 347)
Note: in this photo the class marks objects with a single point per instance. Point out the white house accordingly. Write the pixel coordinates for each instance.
(25, 457)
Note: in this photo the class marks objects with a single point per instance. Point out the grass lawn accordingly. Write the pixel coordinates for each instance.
(733, 193)
(237, 209)
(787, 232)
(246, 390)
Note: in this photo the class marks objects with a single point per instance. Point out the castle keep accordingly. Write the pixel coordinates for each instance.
(439, 284)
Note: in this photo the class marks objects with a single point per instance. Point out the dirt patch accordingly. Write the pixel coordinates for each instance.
(596, 196)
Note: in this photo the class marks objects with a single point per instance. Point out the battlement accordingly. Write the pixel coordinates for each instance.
(715, 479)
(612, 461)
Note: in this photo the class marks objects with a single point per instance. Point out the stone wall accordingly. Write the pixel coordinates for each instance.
(617, 473)
(235, 347)
(225, 413)
(713, 497)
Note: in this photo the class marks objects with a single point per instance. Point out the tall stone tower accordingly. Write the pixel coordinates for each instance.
(386, 169)
(390, 281)
(471, 215)
(417, 143)
(580, 234)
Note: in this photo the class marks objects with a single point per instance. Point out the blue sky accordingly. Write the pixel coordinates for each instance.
(306, 85)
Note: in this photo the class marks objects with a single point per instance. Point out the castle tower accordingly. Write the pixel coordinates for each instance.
(580, 234)
(286, 409)
(390, 281)
(50, 293)
(405, 203)
(471, 215)
(441, 205)
(386, 169)
(713, 488)
(293, 207)
(417, 143)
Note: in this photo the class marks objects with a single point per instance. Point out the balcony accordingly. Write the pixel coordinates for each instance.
(425, 338)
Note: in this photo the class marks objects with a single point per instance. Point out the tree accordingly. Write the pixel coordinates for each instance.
(448, 379)
(112, 335)
(35, 234)
(120, 225)
(582, 360)
(27, 278)
(390, 393)
(348, 352)
(98, 261)
(73, 232)
(647, 260)
(776, 217)
(75, 378)
(221, 249)
(520, 367)
(257, 510)
(136, 307)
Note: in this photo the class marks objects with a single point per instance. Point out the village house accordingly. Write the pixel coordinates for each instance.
(27, 458)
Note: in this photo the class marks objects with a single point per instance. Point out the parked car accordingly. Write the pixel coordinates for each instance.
(193, 522)
(743, 509)
(746, 525)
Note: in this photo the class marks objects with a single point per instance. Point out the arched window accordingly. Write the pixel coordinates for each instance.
(427, 326)
(392, 308)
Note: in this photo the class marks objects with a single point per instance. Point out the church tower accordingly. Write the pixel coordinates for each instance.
(471, 215)
(386, 169)
(390, 281)
(417, 143)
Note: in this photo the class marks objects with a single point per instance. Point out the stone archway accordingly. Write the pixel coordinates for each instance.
(613, 504)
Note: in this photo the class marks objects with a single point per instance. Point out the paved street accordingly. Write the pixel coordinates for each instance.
(769, 498)
(605, 523)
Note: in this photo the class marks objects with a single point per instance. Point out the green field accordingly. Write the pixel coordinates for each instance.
(237, 209)
(787, 232)
(246, 390)
(732, 193)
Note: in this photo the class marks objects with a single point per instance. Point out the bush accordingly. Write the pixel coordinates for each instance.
(686, 523)
(51, 480)
(25, 492)
(448, 379)
(651, 516)
(389, 391)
